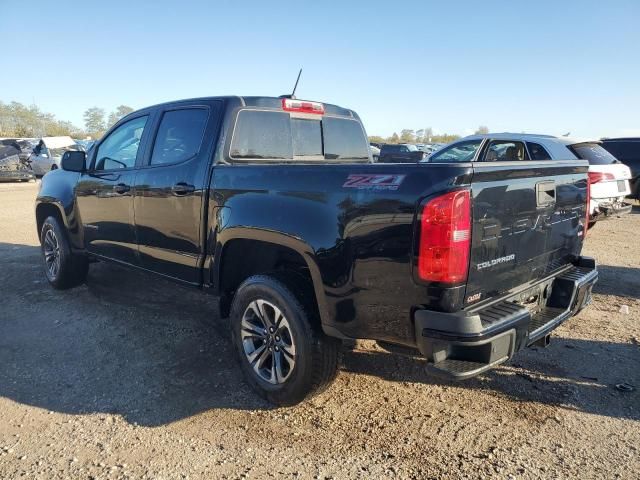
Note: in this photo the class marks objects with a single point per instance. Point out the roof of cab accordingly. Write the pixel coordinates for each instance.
(259, 101)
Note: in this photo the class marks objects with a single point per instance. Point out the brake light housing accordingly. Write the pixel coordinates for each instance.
(597, 177)
(302, 106)
(445, 238)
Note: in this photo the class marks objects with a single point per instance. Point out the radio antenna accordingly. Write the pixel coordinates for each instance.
(293, 94)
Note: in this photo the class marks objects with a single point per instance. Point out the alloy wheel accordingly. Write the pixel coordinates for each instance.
(51, 253)
(268, 342)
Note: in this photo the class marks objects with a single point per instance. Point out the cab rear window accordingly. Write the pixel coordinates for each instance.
(277, 136)
(594, 153)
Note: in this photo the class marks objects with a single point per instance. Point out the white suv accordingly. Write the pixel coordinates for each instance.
(609, 178)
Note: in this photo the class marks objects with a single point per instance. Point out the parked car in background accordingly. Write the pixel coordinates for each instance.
(627, 150)
(608, 177)
(11, 165)
(24, 147)
(375, 152)
(274, 206)
(48, 152)
(400, 153)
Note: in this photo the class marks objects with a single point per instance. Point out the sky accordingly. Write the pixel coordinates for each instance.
(538, 67)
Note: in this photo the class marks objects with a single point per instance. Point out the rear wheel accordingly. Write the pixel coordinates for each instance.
(283, 354)
(63, 268)
(54, 167)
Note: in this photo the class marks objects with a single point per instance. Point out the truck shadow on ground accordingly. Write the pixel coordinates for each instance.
(573, 374)
(622, 281)
(133, 345)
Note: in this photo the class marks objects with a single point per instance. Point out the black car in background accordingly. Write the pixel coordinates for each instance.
(402, 153)
(627, 150)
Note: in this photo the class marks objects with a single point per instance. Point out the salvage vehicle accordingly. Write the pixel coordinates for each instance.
(608, 177)
(48, 153)
(627, 150)
(275, 206)
(12, 167)
(24, 147)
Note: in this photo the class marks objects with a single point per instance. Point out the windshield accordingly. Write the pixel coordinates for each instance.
(594, 153)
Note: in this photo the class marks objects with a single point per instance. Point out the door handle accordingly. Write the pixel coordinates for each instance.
(121, 188)
(182, 188)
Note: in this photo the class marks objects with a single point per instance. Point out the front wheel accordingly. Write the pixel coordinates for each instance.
(63, 268)
(284, 356)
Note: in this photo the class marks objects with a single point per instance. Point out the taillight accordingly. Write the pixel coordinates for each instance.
(445, 238)
(302, 106)
(595, 177)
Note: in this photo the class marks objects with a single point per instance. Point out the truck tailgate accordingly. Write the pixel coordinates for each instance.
(528, 221)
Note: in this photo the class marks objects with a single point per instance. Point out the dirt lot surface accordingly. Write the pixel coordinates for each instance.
(132, 377)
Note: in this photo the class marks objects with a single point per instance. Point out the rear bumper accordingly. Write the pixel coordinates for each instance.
(464, 344)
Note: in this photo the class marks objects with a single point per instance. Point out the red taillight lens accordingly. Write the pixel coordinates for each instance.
(302, 106)
(595, 177)
(445, 238)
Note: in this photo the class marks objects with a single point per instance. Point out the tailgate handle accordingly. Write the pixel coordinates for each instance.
(545, 193)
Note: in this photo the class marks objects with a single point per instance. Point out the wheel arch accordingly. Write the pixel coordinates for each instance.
(246, 252)
(49, 209)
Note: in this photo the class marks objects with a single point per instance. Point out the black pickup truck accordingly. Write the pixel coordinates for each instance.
(274, 206)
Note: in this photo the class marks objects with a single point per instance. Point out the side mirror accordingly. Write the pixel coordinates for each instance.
(74, 161)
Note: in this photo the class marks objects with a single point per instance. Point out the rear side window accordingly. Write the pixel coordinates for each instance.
(179, 135)
(537, 151)
(273, 135)
(506, 151)
(459, 152)
(594, 153)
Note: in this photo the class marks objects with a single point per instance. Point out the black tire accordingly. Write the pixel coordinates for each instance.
(317, 356)
(54, 167)
(71, 268)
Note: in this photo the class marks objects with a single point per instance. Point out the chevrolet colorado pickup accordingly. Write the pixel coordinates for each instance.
(274, 206)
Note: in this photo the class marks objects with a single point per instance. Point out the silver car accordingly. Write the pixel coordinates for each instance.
(48, 152)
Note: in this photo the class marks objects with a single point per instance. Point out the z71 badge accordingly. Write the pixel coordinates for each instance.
(365, 181)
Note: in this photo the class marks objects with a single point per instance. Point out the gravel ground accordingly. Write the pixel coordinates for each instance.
(132, 377)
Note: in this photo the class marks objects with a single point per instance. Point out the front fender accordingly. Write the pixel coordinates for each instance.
(57, 190)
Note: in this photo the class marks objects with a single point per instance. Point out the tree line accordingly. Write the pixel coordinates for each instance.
(423, 135)
(19, 120)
